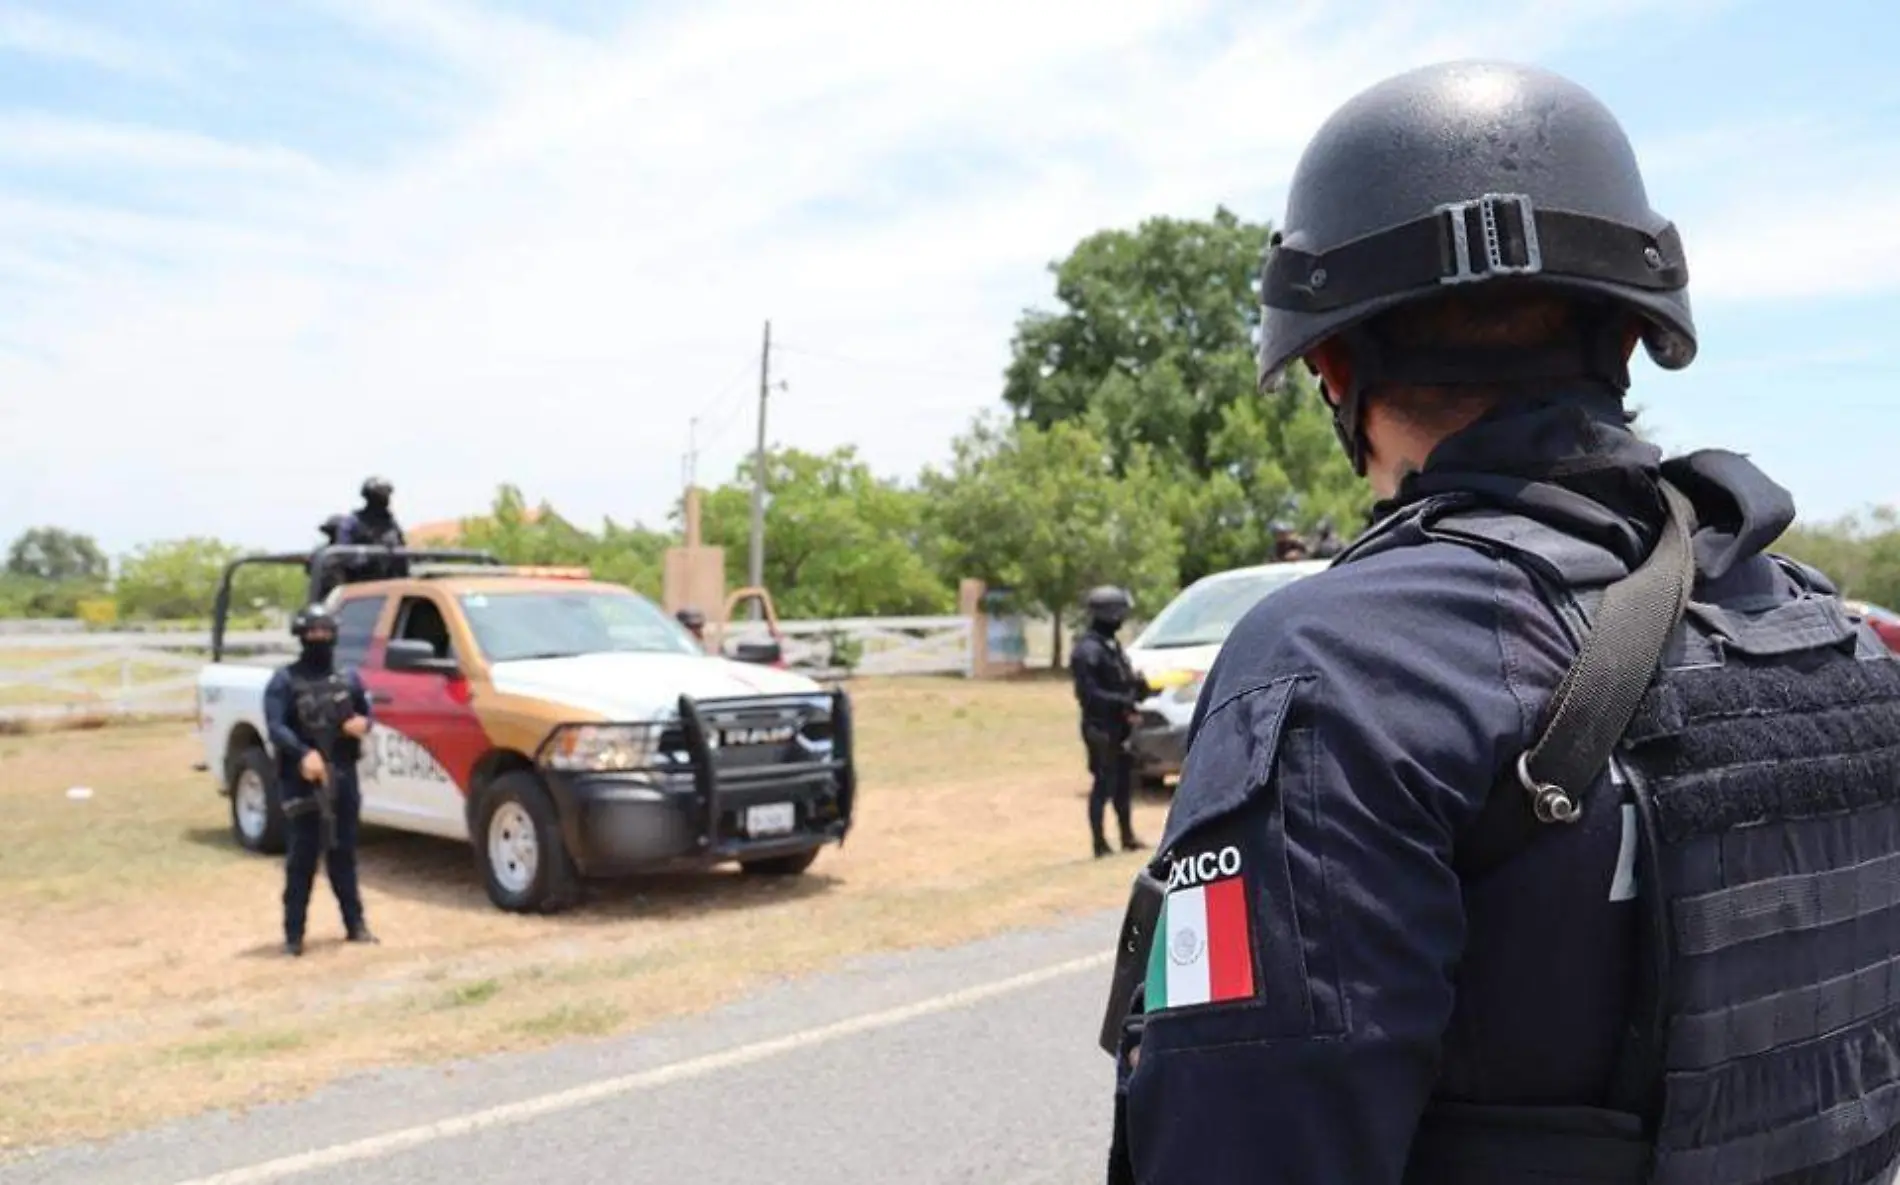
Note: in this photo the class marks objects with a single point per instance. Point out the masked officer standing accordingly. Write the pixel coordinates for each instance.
(318, 717)
(1461, 884)
(374, 525)
(1108, 689)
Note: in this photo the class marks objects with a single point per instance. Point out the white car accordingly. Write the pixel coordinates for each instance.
(1179, 646)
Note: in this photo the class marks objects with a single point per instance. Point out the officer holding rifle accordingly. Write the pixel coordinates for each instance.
(318, 717)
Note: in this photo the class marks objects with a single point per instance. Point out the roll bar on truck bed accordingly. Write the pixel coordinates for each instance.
(317, 562)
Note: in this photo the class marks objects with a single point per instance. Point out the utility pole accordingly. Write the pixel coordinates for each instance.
(689, 475)
(756, 569)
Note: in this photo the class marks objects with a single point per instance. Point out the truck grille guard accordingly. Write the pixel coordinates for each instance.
(694, 729)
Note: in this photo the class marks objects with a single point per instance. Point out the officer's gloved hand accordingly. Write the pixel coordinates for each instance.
(312, 766)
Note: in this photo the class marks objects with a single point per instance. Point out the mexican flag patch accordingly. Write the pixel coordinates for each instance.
(1202, 952)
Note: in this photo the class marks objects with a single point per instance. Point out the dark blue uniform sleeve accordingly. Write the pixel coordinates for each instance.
(359, 696)
(277, 720)
(1301, 979)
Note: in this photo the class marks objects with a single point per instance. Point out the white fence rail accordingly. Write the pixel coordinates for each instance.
(870, 645)
(115, 675)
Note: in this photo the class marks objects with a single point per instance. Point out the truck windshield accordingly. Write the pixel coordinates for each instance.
(516, 626)
(1205, 613)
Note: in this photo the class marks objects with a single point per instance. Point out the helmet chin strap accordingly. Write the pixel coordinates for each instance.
(1600, 357)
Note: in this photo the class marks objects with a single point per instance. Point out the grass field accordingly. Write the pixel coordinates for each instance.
(142, 979)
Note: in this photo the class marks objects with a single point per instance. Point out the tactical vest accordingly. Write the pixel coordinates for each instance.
(1764, 765)
(319, 705)
(1124, 672)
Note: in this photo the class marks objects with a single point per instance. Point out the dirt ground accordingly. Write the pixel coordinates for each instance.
(142, 979)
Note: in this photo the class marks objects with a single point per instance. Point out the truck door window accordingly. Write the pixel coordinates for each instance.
(420, 619)
(355, 627)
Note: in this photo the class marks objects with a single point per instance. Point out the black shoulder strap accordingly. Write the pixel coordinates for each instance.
(1593, 705)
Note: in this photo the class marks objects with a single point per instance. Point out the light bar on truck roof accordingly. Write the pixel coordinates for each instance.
(553, 572)
(542, 571)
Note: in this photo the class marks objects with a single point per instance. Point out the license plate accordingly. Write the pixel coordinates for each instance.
(774, 818)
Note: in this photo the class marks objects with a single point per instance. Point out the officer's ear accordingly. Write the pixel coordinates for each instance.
(1333, 364)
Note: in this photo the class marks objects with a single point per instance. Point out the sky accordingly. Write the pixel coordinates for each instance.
(252, 253)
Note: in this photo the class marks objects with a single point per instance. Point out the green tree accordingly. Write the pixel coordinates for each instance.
(29, 596)
(1861, 555)
(633, 556)
(839, 540)
(1155, 349)
(178, 580)
(1050, 513)
(57, 555)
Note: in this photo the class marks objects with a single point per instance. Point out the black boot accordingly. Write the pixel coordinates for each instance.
(293, 947)
(1130, 843)
(360, 933)
(1101, 846)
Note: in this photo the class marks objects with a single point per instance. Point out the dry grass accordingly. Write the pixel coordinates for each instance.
(142, 980)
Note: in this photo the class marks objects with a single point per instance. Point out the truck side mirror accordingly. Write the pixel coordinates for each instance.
(411, 654)
(762, 653)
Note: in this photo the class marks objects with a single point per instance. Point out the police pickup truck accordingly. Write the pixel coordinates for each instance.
(565, 728)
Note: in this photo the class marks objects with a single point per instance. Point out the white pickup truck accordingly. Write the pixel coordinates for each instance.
(565, 728)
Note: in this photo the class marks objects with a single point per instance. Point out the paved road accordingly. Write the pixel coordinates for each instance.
(975, 1064)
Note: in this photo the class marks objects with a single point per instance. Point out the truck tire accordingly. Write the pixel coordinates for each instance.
(792, 865)
(257, 810)
(519, 849)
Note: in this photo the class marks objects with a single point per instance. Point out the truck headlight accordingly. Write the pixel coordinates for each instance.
(602, 748)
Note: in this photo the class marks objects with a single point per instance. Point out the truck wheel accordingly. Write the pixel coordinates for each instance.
(791, 865)
(257, 813)
(518, 847)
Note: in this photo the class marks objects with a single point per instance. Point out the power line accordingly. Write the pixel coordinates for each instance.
(880, 364)
(722, 411)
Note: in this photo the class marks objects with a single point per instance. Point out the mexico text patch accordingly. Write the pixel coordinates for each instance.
(1203, 945)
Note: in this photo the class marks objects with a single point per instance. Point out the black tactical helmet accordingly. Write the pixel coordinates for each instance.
(377, 489)
(1469, 173)
(1109, 604)
(313, 619)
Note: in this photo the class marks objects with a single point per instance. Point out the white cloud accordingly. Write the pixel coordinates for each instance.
(40, 139)
(550, 295)
(24, 30)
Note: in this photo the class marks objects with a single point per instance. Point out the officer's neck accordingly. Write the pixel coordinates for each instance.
(1397, 447)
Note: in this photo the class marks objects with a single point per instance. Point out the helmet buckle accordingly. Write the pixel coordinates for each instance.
(1467, 268)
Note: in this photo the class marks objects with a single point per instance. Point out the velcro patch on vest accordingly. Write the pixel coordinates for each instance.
(1203, 950)
(1783, 741)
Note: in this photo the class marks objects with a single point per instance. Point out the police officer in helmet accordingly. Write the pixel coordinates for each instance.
(1326, 542)
(318, 717)
(1430, 908)
(1288, 547)
(1108, 689)
(374, 524)
(694, 621)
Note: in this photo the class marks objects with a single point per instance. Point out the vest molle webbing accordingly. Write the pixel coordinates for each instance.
(1772, 787)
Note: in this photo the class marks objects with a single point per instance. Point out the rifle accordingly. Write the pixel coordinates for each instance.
(321, 711)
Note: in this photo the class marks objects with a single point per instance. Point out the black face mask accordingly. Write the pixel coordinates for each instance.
(319, 654)
(378, 503)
